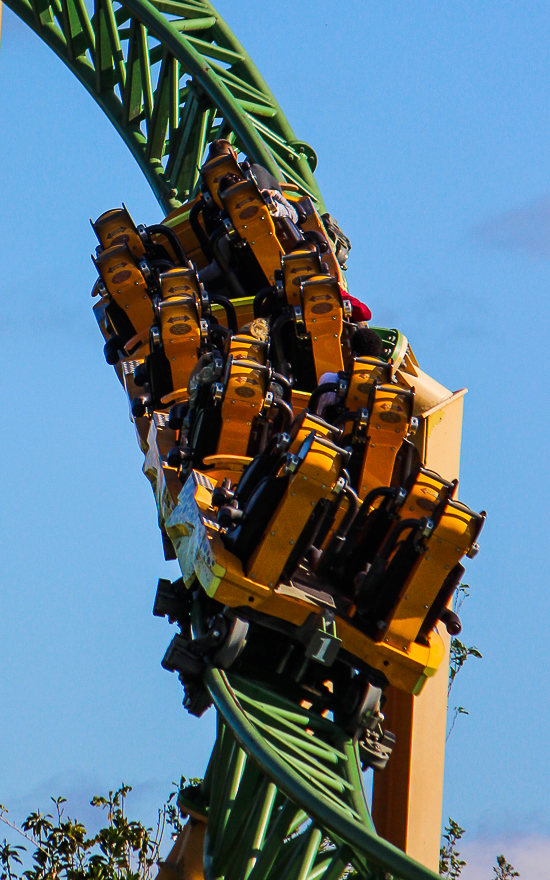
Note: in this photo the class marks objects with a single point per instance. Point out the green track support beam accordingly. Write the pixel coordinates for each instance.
(283, 795)
(171, 78)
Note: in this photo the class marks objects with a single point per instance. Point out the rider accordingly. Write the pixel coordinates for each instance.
(268, 185)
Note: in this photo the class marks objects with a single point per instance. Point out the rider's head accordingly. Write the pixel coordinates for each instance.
(366, 342)
(221, 147)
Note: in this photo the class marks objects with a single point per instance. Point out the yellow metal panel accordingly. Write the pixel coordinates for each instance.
(126, 285)
(243, 398)
(117, 227)
(213, 171)
(181, 337)
(298, 266)
(389, 423)
(408, 796)
(251, 218)
(185, 859)
(323, 317)
(442, 434)
(428, 392)
(300, 400)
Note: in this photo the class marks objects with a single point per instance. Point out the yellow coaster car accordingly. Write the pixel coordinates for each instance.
(304, 466)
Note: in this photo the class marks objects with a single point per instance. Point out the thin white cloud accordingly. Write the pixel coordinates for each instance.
(524, 229)
(530, 855)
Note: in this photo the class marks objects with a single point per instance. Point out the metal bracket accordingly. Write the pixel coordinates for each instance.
(324, 644)
(299, 323)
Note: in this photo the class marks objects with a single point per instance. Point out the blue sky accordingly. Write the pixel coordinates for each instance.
(431, 124)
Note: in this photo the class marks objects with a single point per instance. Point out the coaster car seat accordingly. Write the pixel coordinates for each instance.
(323, 316)
(130, 309)
(176, 340)
(304, 424)
(183, 333)
(250, 221)
(212, 173)
(235, 417)
(307, 341)
(244, 346)
(402, 553)
(117, 227)
(296, 267)
(285, 511)
(188, 225)
(413, 575)
(311, 222)
(381, 416)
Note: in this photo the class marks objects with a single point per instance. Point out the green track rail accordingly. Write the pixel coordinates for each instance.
(283, 795)
(171, 78)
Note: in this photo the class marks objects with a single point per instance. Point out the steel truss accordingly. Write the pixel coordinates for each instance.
(283, 796)
(171, 78)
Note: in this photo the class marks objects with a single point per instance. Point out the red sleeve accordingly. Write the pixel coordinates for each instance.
(360, 312)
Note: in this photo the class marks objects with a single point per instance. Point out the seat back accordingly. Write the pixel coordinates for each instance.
(298, 266)
(412, 519)
(180, 324)
(231, 415)
(452, 538)
(245, 390)
(117, 227)
(304, 424)
(323, 316)
(421, 496)
(315, 473)
(127, 289)
(253, 223)
(248, 348)
(382, 420)
(365, 373)
(389, 423)
(213, 171)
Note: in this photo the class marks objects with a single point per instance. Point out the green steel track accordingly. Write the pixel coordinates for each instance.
(171, 78)
(283, 795)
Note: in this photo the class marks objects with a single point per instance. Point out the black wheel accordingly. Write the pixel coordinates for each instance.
(140, 375)
(111, 350)
(139, 406)
(233, 644)
(177, 415)
(178, 455)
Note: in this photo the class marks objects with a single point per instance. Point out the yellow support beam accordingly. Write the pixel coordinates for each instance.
(408, 796)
